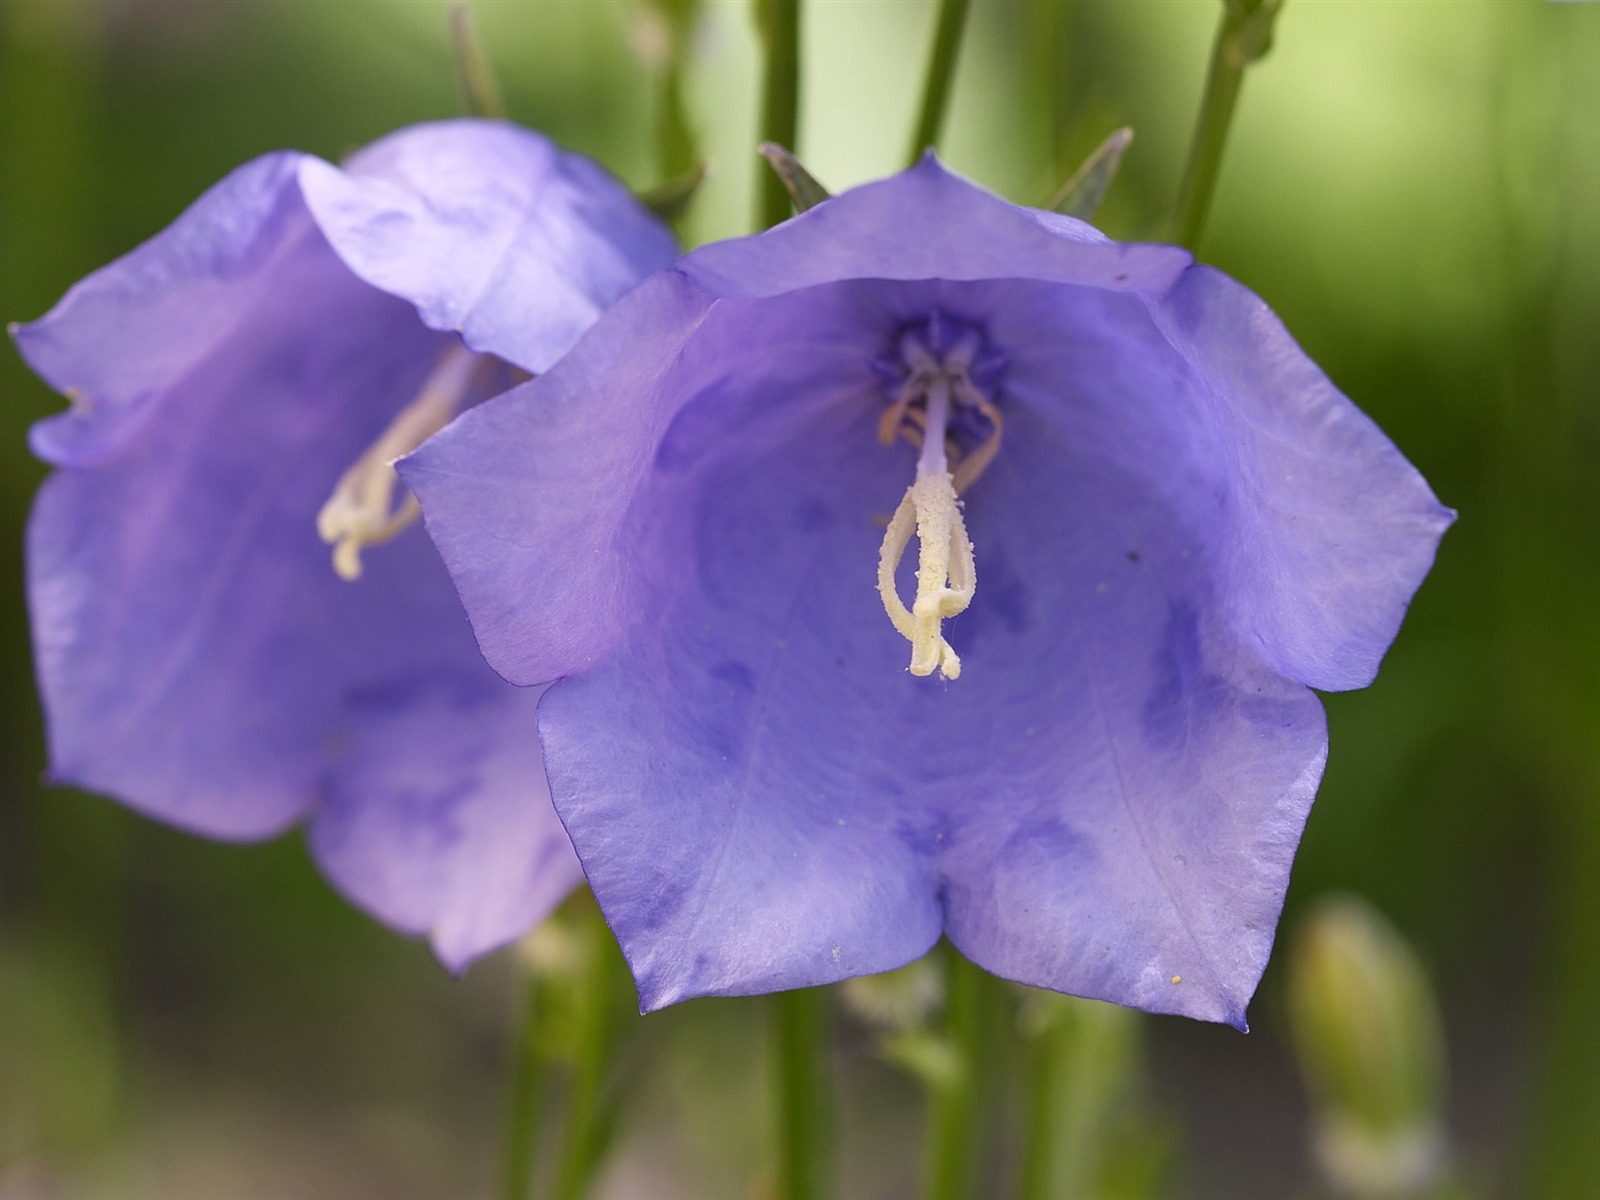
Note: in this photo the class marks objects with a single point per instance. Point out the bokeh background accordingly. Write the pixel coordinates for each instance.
(1414, 187)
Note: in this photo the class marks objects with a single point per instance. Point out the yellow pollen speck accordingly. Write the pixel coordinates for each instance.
(1177, 979)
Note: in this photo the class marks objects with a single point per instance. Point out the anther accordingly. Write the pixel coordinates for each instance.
(361, 511)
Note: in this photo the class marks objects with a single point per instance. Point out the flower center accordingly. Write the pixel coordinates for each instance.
(939, 408)
(361, 511)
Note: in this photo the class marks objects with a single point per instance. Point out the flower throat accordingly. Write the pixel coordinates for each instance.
(938, 406)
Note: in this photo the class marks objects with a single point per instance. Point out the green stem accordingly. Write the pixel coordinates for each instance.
(941, 71)
(1244, 36)
(480, 90)
(677, 151)
(518, 1153)
(1042, 1166)
(1566, 1159)
(1084, 1057)
(805, 1142)
(1047, 31)
(952, 1117)
(584, 1135)
(779, 26)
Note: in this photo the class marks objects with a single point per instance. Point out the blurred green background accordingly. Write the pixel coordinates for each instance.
(1413, 186)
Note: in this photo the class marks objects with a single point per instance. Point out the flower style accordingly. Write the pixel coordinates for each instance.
(1170, 526)
(243, 379)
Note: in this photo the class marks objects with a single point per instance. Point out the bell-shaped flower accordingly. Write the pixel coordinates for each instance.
(1099, 483)
(240, 384)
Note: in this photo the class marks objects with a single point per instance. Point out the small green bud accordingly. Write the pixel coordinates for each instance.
(1366, 1030)
(896, 1001)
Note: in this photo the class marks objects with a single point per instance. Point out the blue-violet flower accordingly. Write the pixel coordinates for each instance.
(1159, 521)
(239, 383)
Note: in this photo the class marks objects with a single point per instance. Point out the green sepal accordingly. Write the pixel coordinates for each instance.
(801, 185)
(1081, 195)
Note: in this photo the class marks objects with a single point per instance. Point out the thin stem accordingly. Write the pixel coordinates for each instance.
(1205, 152)
(779, 26)
(1048, 30)
(805, 1141)
(1042, 1166)
(1083, 1057)
(1244, 35)
(519, 1150)
(584, 1135)
(1565, 1157)
(675, 139)
(1040, 1163)
(677, 150)
(952, 1118)
(941, 71)
(480, 90)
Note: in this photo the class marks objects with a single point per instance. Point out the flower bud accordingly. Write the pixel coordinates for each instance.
(1366, 1029)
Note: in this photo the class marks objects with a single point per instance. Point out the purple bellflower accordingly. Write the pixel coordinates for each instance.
(241, 383)
(1159, 522)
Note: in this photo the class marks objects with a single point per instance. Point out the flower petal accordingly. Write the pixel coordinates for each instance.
(436, 817)
(490, 230)
(748, 829)
(192, 640)
(926, 223)
(125, 334)
(1333, 530)
(1147, 778)
(524, 496)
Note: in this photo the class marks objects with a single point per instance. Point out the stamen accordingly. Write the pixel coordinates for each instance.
(976, 461)
(361, 511)
(905, 419)
(898, 411)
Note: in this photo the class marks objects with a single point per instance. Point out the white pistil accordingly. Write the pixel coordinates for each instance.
(946, 572)
(361, 510)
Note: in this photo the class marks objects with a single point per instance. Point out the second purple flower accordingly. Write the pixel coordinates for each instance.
(239, 385)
